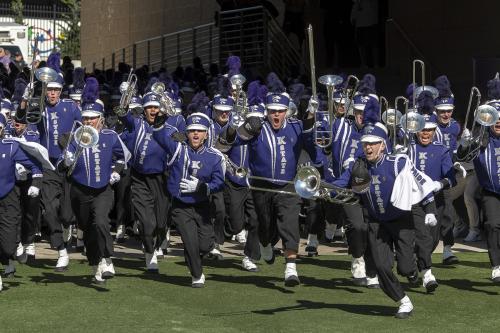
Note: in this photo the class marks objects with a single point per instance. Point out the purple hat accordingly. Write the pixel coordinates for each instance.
(257, 110)
(445, 100)
(94, 109)
(359, 101)
(135, 102)
(198, 121)
(277, 101)
(374, 133)
(151, 99)
(445, 103)
(58, 83)
(222, 104)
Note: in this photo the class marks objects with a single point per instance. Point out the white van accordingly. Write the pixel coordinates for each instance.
(14, 37)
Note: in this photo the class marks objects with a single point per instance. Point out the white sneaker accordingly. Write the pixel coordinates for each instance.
(372, 283)
(358, 270)
(429, 281)
(98, 275)
(107, 268)
(473, 236)
(215, 253)
(21, 256)
(198, 283)
(151, 262)
(30, 251)
(9, 270)
(67, 234)
(405, 308)
(267, 253)
(249, 265)
(62, 261)
(448, 257)
(159, 253)
(291, 275)
(330, 232)
(120, 233)
(241, 237)
(495, 274)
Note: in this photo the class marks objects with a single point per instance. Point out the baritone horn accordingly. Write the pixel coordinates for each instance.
(308, 185)
(85, 137)
(167, 104)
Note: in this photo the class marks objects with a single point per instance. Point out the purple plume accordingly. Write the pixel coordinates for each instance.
(442, 84)
(371, 114)
(90, 92)
(233, 65)
(494, 88)
(54, 61)
(274, 84)
(198, 103)
(367, 85)
(296, 91)
(19, 87)
(425, 102)
(79, 78)
(256, 93)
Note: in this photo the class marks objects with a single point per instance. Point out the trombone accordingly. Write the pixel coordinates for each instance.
(485, 115)
(85, 137)
(128, 90)
(392, 117)
(308, 185)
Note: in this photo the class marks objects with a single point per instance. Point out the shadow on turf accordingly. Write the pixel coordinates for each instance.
(79, 280)
(462, 284)
(369, 310)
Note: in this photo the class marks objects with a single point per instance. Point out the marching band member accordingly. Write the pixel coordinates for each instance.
(149, 193)
(486, 163)
(10, 210)
(195, 173)
(57, 119)
(93, 171)
(273, 149)
(386, 205)
(447, 133)
(434, 160)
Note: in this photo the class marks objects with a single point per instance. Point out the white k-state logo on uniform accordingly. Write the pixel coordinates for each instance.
(195, 166)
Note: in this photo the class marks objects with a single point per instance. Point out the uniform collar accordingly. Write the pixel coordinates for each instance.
(200, 150)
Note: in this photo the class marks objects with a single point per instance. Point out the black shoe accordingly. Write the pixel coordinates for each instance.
(431, 286)
(403, 315)
(99, 283)
(61, 269)
(292, 281)
(271, 261)
(359, 281)
(312, 251)
(450, 260)
(413, 279)
(373, 286)
(8, 275)
(30, 260)
(496, 280)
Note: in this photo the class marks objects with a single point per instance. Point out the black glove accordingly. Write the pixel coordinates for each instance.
(178, 137)
(253, 125)
(360, 177)
(63, 140)
(159, 120)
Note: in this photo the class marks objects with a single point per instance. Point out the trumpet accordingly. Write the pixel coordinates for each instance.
(240, 104)
(167, 104)
(128, 90)
(308, 185)
(85, 137)
(485, 116)
(36, 105)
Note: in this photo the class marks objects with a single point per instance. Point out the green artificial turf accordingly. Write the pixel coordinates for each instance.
(40, 300)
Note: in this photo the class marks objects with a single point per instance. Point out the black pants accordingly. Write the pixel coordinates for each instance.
(490, 205)
(151, 205)
(241, 214)
(92, 207)
(447, 223)
(423, 238)
(196, 230)
(278, 214)
(10, 214)
(318, 212)
(382, 238)
(56, 206)
(436, 231)
(30, 213)
(123, 199)
(218, 212)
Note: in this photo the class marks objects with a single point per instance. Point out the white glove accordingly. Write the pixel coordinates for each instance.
(115, 178)
(313, 105)
(21, 172)
(69, 158)
(236, 121)
(33, 191)
(437, 186)
(189, 185)
(430, 220)
(465, 134)
(26, 92)
(459, 167)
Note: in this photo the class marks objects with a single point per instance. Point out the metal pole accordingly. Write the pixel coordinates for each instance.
(93, 67)
(178, 50)
(113, 60)
(210, 45)
(149, 54)
(123, 55)
(134, 55)
(162, 60)
(103, 64)
(194, 42)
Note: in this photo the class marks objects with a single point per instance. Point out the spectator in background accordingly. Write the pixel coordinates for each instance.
(5, 59)
(19, 61)
(294, 20)
(364, 18)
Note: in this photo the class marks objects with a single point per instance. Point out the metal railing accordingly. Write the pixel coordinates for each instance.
(168, 51)
(254, 36)
(401, 54)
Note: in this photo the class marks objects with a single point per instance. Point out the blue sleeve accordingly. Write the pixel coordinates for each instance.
(77, 114)
(22, 158)
(129, 122)
(216, 183)
(162, 137)
(344, 180)
(181, 124)
(316, 155)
